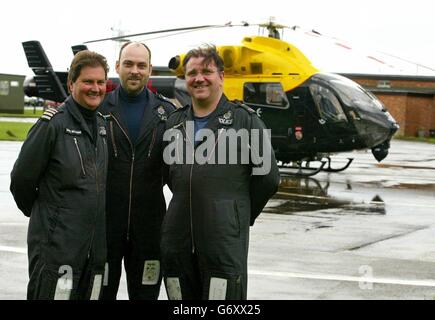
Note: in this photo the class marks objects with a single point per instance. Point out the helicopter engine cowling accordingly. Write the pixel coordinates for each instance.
(176, 65)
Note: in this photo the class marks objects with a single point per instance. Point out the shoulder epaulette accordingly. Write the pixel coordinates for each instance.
(177, 109)
(244, 106)
(178, 112)
(49, 113)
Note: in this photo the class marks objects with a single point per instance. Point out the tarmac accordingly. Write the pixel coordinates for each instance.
(366, 233)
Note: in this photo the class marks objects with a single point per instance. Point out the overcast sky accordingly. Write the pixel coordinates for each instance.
(369, 28)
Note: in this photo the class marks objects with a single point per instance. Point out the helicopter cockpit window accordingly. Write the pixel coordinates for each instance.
(354, 94)
(265, 94)
(327, 104)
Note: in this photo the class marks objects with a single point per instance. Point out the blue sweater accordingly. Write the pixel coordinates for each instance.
(133, 109)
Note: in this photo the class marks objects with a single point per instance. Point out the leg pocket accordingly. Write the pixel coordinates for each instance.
(222, 286)
(225, 219)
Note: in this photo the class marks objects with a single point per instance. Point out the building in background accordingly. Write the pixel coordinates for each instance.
(11, 93)
(409, 99)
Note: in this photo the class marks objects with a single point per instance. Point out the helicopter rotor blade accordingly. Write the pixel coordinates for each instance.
(380, 57)
(165, 31)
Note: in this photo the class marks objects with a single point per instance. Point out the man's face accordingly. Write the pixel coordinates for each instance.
(204, 82)
(90, 87)
(134, 68)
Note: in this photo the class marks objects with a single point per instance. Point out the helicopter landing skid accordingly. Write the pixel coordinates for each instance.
(307, 171)
(329, 169)
(301, 170)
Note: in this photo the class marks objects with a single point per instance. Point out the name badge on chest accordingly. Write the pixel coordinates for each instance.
(73, 132)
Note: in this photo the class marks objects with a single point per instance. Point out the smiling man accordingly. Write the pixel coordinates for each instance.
(135, 201)
(205, 234)
(59, 181)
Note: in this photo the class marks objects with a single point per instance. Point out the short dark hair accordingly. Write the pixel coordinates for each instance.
(86, 58)
(130, 42)
(208, 52)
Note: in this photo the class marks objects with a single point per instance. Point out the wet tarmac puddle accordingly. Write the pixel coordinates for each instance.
(308, 194)
(388, 165)
(430, 186)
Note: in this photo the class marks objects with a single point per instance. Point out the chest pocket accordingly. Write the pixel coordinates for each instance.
(77, 154)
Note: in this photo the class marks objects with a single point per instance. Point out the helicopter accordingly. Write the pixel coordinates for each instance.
(311, 114)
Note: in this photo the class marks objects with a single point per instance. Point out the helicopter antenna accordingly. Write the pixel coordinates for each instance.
(272, 28)
(118, 32)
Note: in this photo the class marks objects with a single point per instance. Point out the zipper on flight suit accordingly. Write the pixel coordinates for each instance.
(80, 156)
(190, 182)
(190, 191)
(153, 140)
(131, 175)
(97, 186)
(115, 150)
(98, 191)
(214, 146)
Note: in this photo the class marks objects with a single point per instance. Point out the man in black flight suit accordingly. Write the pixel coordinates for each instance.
(135, 202)
(205, 233)
(59, 182)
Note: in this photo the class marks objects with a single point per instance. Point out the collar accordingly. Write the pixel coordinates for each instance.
(221, 117)
(143, 95)
(154, 112)
(113, 97)
(73, 108)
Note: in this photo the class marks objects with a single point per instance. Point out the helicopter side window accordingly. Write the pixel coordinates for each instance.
(327, 104)
(265, 94)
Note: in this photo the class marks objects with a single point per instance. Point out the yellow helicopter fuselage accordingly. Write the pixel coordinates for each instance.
(261, 59)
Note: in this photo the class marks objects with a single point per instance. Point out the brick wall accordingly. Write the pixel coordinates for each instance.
(414, 112)
(419, 115)
(396, 105)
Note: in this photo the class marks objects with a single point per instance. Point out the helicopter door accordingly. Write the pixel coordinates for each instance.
(268, 99)
(332, 117)
(304, 129)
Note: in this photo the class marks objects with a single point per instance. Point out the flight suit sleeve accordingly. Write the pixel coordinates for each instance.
(31, 164)
(265, 174)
